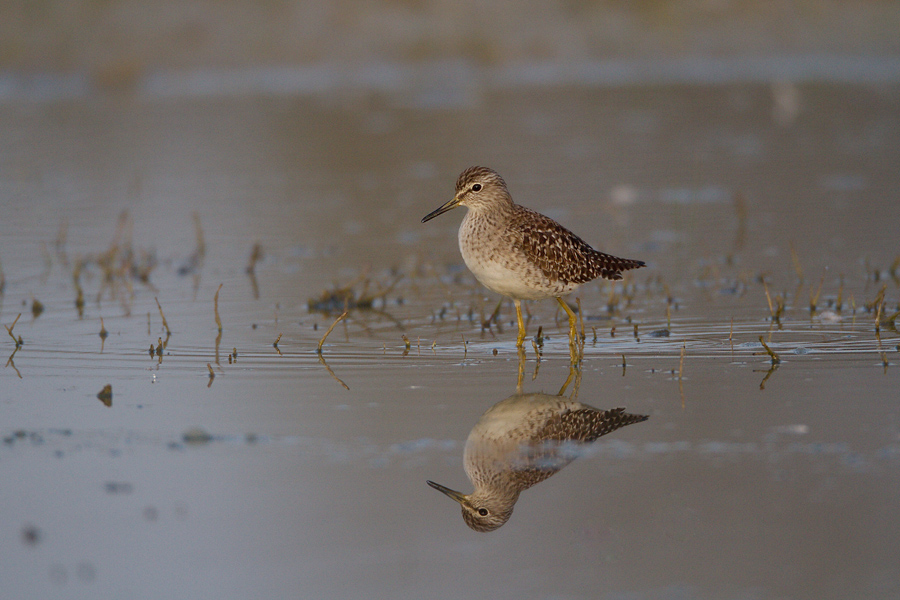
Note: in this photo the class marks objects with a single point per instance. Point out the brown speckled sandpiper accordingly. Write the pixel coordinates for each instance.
(520, 253)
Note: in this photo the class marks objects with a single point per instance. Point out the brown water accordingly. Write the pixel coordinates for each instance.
(749, 480)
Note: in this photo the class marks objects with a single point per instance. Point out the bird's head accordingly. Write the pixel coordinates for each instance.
(476, 187)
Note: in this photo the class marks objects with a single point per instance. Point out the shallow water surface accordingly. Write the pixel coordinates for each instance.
(229, 465)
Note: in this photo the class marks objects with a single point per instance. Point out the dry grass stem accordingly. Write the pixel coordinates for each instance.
(9, 330)
(105, 395)
(216, 307)
(330, 329)
(165, 323)
(256, 255)
(814, 298)
(795, 259)
(772, 354)
(198, 230)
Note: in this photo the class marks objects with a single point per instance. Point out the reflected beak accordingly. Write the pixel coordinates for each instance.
(452, 493)
(444, 208)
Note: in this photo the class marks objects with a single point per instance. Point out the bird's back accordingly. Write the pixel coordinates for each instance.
(560, 254)
(523, 254)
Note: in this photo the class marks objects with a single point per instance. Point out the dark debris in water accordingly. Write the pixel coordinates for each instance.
(31, 535)
(105, 395)
(118, 488)
(348, 297)
(196, 436)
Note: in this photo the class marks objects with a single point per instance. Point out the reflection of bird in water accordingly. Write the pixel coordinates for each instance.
(521, 441)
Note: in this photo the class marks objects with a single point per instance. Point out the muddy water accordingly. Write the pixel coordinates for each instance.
(271, 479)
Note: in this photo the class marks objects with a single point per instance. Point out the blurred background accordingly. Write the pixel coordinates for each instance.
(252, 158)
(229, 45)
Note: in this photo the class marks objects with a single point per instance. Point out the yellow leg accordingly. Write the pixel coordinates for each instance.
(573, 332)
(521, 339)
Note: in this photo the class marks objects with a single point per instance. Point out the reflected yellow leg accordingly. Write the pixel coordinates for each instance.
(521, 339)
(521, 353)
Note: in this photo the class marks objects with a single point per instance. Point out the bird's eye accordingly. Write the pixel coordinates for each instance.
(476, 187)
(483, 512)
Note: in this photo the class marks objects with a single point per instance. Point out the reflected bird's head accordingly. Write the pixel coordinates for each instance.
(481, 512)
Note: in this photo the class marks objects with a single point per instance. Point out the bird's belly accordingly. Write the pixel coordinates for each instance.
(513, 276)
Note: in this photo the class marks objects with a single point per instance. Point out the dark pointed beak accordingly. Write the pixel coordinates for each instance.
(452, 493)
(444, 208)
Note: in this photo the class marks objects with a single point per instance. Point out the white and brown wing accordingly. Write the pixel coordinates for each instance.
(560, 254)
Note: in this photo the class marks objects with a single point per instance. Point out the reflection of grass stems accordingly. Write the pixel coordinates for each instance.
(775, 358)
(336, 321)
(103, 332)
(11, 363)
(216, 307)
(165, 324)
(330, 372)
(762, 384)
(212, 374)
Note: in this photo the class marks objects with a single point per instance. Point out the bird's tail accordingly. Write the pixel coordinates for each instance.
(611, 267)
